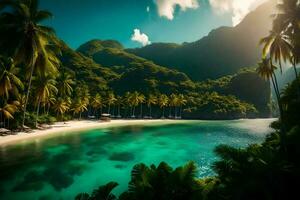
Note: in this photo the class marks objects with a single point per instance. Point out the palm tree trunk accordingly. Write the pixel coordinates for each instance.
(281, 114)
(180, 112)
(163, 114)
(141, 114)
(108, 111)
(27, 94)
(150, 111)
(175, 112)
(80, 116)
(133, 111)
(37, 112)
(48, 109)
(170, 111)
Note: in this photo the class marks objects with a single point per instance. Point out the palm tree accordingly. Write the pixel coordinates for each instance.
(111, 99)
(288, 19)
(267, 71)
(173, 102)
(64, 84)
(141, 101)
(151, 100)
(79, 106)
(119, 103)
(31, 41)
(9, 82)
(61, 106)
(163, 101)
(7, 111)
(127, 100)
(278, 46)
(96, 102)
(134, 102)
(181, 102)
(45, 88)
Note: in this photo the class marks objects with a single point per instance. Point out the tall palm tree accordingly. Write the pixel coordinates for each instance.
(119, 103)
(134, 101)
(9, 82)
(64, 84)
(267, 71)
(97, 102)
(45, 88)
(173, 102)
(127, 101)
(288, 19)
(79, 106)
(142, 99)
(61, 106)
(278, 46)
(163, 101)
(111, 100)
(32, 42)
(181, 102)
(151, 100)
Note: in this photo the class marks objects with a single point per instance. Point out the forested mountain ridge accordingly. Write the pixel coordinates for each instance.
(138, 74)
(224, 51)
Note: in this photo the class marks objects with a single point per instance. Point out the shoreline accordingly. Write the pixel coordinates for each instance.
(81, 125)
(69, 126)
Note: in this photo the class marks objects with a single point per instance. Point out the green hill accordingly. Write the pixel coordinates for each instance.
(127, 73)
(224, 51)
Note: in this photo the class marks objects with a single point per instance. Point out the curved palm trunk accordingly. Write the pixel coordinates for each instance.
(163, 113)
(27, 94)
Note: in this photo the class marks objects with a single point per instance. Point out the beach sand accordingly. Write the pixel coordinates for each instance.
(70, 126)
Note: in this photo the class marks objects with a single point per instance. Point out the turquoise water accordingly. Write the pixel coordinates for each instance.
(62, 166)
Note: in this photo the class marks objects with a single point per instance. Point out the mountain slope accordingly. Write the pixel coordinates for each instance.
(224, 51)
(135, 73)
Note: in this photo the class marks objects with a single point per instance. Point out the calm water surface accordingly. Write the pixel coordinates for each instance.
(61, 167)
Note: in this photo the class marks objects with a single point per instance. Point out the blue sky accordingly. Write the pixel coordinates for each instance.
(78, 21)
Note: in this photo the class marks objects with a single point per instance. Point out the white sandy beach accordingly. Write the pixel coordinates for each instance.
(70, 126)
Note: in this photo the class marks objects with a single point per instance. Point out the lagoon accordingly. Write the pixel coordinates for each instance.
(70, 163)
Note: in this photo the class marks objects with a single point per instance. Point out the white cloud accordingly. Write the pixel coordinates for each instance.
(239, 8)
(166, 8)
(142, 38)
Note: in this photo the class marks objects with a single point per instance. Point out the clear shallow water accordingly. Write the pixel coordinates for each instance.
(61, 167)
